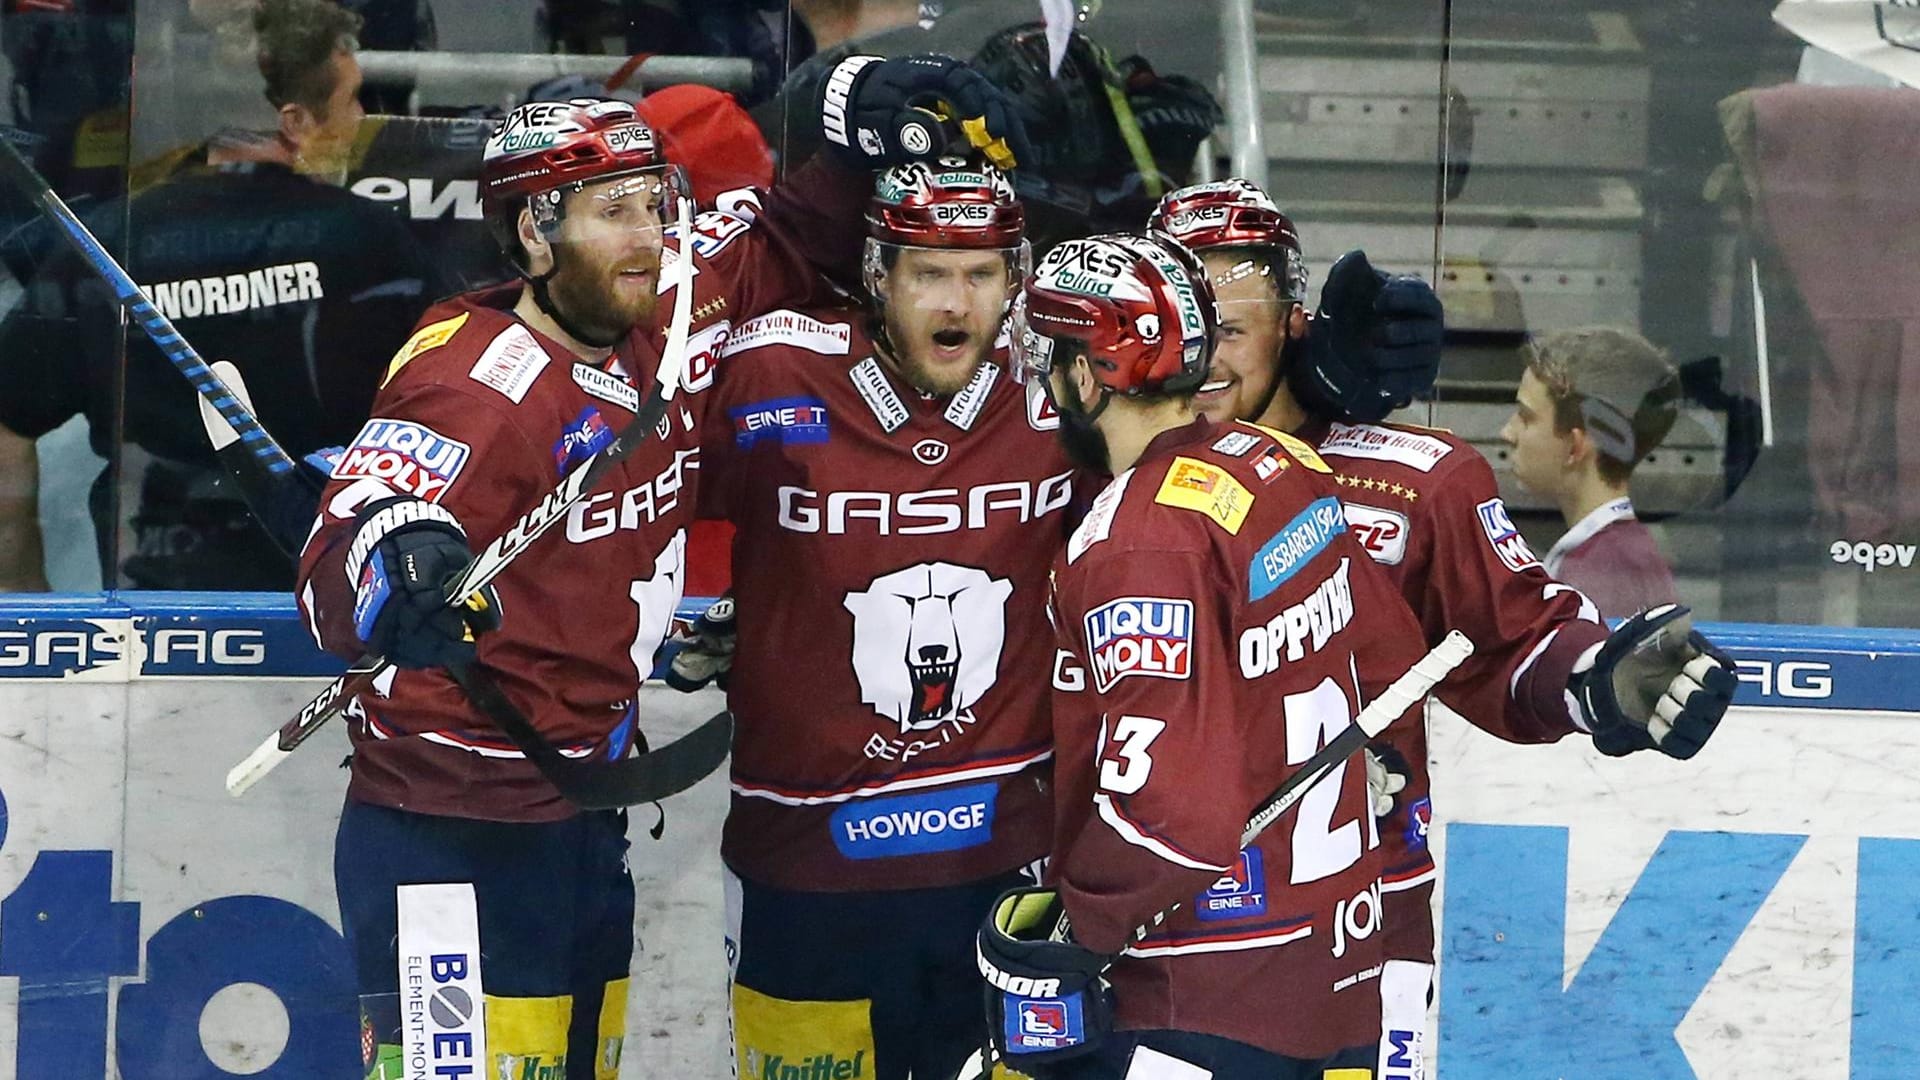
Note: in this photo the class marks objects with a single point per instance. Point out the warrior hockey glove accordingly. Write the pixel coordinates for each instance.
(880, 112)
(1046, 1001)
(1655, 683)
(1387, 776)
(705, 653)
(1373, 345)
(403, 553)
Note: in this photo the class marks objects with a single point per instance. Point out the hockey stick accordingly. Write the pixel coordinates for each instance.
(591, 785)
(282, 497)
(1406, 691)
(283, 503)
(509, 545)
(254, 437)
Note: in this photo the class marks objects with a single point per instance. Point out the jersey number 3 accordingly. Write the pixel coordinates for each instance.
(1125, 767)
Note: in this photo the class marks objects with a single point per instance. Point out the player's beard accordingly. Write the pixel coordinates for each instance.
(594, 301)
(909, 352)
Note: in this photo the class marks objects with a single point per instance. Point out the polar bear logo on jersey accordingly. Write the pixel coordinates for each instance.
(927, 640)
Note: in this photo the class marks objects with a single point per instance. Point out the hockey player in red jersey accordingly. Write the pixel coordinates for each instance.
(497, 396)
(898, 499)
(1217, 625)
(1426, 507)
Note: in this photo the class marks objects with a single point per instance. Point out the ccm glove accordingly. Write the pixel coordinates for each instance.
(705, 653)
(1387, 776)
(1373, 345)
(404, 553)
(880, 112)
(1655, 683)
(1046, 1001)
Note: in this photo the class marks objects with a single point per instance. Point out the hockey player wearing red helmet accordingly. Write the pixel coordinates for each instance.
(1216, 624)
(1428, 509)
(498, 395)
(899, 498)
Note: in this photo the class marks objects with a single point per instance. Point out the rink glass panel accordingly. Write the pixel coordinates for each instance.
(67, 111)
(1665, 169)
(1586, 166)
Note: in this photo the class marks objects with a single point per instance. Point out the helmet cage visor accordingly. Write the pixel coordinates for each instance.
(640, 199)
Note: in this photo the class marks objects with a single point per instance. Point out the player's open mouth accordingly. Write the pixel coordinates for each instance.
(950, 343)
(1214, 389)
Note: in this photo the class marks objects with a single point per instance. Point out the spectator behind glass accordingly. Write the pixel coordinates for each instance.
(1593, 403)
(308, 288)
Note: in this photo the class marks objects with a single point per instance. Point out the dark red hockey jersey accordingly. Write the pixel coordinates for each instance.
(1220, 623)
(483, 416)
(1427, 508)
(888, 691)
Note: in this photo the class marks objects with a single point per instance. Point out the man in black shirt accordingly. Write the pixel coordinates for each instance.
(308, 288)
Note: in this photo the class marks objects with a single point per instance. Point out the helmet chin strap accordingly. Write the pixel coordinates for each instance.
(1083, 442)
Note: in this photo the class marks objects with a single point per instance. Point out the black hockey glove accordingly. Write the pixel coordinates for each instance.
(1046, 1001)
(880, 112)
(705, 650)
(1373, 346)
(1387, 776)
(404, 551)
(1655, 683)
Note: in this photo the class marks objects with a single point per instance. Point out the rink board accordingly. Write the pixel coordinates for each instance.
(1755, 913)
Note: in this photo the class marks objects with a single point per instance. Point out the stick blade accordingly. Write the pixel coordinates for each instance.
(219, 432)
(656, 774)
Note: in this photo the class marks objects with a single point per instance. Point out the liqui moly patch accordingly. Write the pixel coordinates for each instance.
(405, 456)
(1505, 538)
(1150, 636)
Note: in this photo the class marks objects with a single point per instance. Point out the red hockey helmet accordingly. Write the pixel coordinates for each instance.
(1234, 213)
(1139, 307)
(545, 148)
(951, 204)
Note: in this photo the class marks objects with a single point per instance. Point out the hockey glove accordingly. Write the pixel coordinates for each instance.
(1373, 346)
(1387, 776)
(879, 112)
(705, 653)
(1655, 683)
(403, 553)
(1046, 1001)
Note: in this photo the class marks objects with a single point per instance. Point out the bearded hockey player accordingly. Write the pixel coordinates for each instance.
(497, 396)
(1426, 506)
(899, 498)
(1217, 625)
